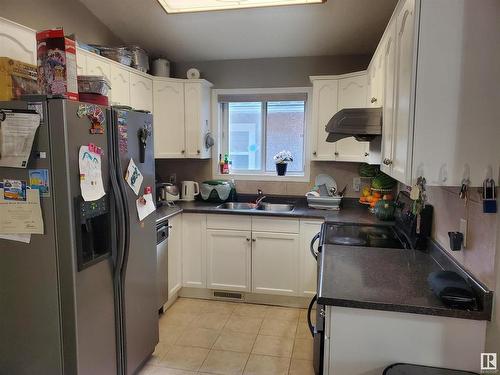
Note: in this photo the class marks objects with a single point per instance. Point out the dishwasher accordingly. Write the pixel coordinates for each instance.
(162, 232)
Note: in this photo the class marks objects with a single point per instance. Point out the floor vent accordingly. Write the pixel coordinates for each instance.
(227, 295)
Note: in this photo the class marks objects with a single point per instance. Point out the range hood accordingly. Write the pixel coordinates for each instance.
(364, 124)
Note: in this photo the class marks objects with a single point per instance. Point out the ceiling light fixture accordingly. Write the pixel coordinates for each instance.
(184, 6)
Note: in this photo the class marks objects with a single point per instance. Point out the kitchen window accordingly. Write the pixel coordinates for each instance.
(256, 126)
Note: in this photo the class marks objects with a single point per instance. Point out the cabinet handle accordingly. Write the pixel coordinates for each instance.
(198, 151)
(254, 240)
(315, 153)
(183, 151)
(387, 161)
(248, 239)
(336, 154)
(373, 100)
(366, 154)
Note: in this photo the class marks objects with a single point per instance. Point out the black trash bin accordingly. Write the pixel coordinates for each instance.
(409, 369)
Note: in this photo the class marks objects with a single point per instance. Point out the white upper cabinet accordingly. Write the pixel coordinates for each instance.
(169, 118)
(81, 62)
(330, 95)
(440, 110)
(375, 97)
(402, 136)
(324, 106)
(98, 66)
(182, 118)
(17, 42)
(141, 92)
(197, 96)
(352, 94)
(120, 85)
(388, 50)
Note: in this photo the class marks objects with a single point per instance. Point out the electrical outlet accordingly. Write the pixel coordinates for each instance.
(463, 230)
(356, 184)
(172, 178)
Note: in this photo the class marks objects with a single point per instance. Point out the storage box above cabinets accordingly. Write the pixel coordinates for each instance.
(181, 118)
(441, 112)
(330, 95)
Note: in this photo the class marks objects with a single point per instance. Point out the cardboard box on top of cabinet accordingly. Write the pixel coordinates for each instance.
(17, 78)
(56, 60)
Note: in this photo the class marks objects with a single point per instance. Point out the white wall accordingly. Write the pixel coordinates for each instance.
(72, 15)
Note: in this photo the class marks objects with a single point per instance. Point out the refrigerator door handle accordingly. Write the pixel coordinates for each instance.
(309, 312)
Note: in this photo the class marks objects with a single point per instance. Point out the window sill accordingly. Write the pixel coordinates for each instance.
(290, 177)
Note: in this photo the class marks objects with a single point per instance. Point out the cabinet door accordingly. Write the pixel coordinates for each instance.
(324, 106)
(141, 92)
(18, 42)
(169, 119)
(175, 255)
(402, 131)
(96, 66)
(194, 260)
(197, 118)
(352, 94)
(275, 263)
(228, 260)
(120, 85)
(376, 80)
(81, 62)
(308, 264)
(389, 97)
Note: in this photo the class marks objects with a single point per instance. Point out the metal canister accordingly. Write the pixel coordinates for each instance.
(161, 67)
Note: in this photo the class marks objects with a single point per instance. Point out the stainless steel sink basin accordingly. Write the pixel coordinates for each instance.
(275, 207)
(237, 206)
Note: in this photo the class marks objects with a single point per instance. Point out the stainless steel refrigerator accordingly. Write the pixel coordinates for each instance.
(82, 297)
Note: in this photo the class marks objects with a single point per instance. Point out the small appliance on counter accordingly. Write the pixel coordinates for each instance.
(166, 193)
(218, 191)
(189, 190)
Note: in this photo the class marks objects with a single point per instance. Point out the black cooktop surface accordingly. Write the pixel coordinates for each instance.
(362, 235)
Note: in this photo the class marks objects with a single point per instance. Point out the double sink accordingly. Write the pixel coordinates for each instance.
(263, 206)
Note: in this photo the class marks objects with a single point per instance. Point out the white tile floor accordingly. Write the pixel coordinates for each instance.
(212, 337)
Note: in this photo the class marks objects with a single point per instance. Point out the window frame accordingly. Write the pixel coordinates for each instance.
(222, 139)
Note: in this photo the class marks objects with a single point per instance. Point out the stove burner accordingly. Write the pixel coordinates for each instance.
(350, 241)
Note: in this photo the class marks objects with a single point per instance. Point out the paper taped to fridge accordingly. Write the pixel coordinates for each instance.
(17, 132)
(91, 185)
(21, 217)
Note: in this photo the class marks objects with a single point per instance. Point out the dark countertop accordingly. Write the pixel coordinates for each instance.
(166, 212)
(351, 212)
(383, 279)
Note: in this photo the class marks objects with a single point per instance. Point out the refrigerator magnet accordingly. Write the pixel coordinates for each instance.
(39, 179)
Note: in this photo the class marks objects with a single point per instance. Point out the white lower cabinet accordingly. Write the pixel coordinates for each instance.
(424, 339)
(175, 255)
(194, 259)
(229, 260)
(275, 263)
(308, 264)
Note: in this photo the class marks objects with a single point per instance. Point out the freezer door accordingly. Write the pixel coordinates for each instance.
(30, 336)
(140, 288)
(87, 297)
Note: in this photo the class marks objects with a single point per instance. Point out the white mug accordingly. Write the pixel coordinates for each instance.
(190, 189)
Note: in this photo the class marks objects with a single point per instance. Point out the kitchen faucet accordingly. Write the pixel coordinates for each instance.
(260, 197)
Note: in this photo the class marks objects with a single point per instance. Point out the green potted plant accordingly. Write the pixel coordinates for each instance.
(282, 159)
